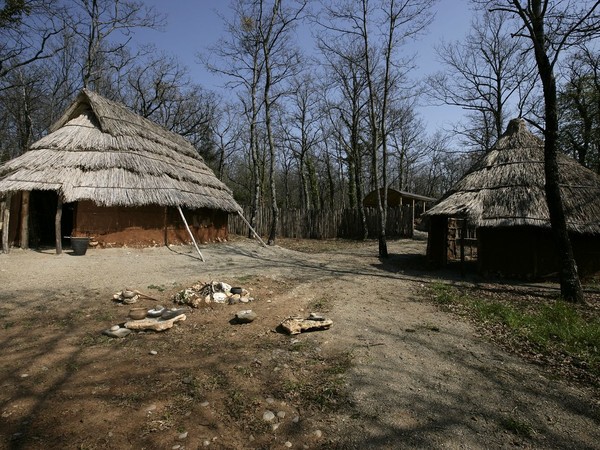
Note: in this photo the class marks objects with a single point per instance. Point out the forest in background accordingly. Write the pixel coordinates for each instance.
(312, 130)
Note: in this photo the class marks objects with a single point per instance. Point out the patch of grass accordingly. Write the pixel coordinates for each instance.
(551, 326)
(321, 304)
(160, 288)
(517, 427)
(323, 388)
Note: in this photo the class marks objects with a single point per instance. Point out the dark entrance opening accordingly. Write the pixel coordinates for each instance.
(42, 213)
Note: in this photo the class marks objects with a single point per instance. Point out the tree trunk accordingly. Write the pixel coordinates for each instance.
(570, 285)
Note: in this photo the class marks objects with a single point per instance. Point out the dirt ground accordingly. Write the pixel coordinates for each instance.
(394, 371)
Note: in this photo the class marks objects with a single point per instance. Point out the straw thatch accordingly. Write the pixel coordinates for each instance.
(101, 151)
(506, 187)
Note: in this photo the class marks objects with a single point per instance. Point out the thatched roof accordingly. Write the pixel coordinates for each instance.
(101, 151)
(506, 187)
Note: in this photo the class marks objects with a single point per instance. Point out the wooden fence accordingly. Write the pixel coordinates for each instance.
(326, 224)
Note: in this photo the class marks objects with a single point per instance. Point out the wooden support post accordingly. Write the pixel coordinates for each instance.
(463, 234)
(165, 224)
(25, 219)
(189, 232)
(6, 224)
(58, 225)
(252, 229)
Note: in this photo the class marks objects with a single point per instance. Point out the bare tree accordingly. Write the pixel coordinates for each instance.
(379, 29)
(238, 56)
(551, 28)
(104, 28)
(484, 74)
(29, 32)
(579, 103)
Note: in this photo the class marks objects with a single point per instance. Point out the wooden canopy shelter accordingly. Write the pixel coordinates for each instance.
(106, 172)
(502, 197)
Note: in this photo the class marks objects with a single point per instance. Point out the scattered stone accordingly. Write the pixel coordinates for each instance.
(296, 325)
(118, 333)
(219, 297)
(296, 419)
(114, 328)
(270, 400)
(156, 311)
(281, 414)
(245, 316)
(153, 352)
(206, 443)
(176, 447)
(217, 292)
(204, 404)
(182, 436)
(268, 416)
(318, 433)
(24, 375)
(159, 324)
(288, 444)
(172, 313)
(274, 426)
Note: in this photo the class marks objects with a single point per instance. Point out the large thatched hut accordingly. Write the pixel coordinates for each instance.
(502, 199)
(105, 172)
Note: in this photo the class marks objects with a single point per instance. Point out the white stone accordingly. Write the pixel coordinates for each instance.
(268, 416)
(219, 297)
(183, 435)
(281, 414)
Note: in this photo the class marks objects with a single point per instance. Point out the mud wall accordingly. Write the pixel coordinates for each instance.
(147, 225)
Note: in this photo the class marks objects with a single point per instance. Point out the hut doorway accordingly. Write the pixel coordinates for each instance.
(42, 213)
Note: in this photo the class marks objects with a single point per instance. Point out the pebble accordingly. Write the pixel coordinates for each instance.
(296, 419)
(204, 404)
(176, 447)
(183, 435)
(114, 328)
(274, 426)
(270, 400)
(24, 375)
(281, 414)
(206, 443)
(120, 333)
(153, 352)
(268, 416)
(318, 433)
(288, 444)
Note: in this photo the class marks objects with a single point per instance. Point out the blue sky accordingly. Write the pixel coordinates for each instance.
(195, 25)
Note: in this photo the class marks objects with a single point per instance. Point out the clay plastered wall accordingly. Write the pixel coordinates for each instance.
(147, 225)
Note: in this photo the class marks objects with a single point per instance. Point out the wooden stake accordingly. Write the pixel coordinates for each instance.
(25, 219)
(252, 229)
(189, 232)
(57, 225)
(6, 224)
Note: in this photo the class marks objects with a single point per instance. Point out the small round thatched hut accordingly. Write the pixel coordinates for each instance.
(502, 197)
(106, 172)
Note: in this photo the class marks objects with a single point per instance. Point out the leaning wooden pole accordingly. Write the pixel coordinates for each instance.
(252, 229)
(6, 224)
(57, 225)
(189, 232)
